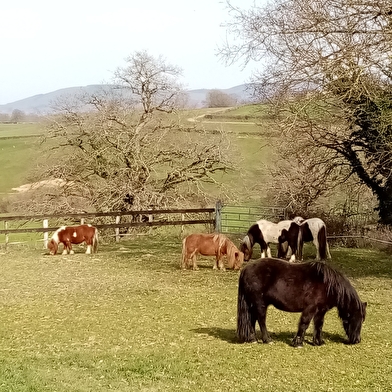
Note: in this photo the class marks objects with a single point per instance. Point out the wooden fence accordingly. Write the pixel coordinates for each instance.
(141, 218)
(225, 219)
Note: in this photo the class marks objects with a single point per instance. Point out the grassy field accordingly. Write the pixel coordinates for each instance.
(128, 319)
(19, 151)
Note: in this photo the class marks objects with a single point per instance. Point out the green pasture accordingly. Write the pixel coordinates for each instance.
(248, 149)
(20, 130)
(128, 319)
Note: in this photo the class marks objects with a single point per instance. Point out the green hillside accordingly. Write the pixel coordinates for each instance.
(21, 150)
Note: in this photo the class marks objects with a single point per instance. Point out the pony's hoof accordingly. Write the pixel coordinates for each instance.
(296, 342)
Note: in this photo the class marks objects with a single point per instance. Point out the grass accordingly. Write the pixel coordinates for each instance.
(128, 319)
(20, 130)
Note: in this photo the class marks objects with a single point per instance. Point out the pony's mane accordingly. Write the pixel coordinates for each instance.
(337, 285)
(55, 236)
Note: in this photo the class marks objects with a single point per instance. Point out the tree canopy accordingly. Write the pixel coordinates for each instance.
(326, 68)
(126, 147)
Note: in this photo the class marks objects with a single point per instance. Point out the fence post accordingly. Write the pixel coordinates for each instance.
(218, 216)
(45, 225)
(6, 234)
(182, 226)
(117, 229)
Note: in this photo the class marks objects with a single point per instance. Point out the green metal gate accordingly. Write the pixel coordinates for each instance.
(232, 219)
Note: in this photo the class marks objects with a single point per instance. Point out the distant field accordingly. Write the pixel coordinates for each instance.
(17, 155)
(249, 151)
(128, 319)
(19, 130)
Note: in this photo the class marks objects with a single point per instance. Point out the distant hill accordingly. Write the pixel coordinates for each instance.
(42, 103)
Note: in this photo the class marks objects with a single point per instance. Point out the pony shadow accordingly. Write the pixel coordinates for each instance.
(225, 334)
(230, 336)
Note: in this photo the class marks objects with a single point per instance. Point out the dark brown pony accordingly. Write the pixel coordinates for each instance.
(310, 288)
(68, 235)
(214, 244)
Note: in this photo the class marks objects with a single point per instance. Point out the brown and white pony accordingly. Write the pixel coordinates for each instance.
(213, 244)
(263, 232)
(68, 235)
(305, 230)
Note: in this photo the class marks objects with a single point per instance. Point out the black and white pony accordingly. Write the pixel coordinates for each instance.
(301, 231)
(264, 232)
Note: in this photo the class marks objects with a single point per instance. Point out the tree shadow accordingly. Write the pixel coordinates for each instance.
(230, 336)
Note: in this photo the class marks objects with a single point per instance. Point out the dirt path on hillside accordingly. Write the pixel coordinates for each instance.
(201, 116)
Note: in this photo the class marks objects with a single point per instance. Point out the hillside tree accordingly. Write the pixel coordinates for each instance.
(125, 147)
(218, 99)
(326, 71)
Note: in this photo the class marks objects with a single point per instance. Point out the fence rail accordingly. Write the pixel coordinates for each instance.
(227, 219)
(151, 218)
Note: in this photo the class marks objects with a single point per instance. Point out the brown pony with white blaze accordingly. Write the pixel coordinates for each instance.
(214, 244)
(68, 235)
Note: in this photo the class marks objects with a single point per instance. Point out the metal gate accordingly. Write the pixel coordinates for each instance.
(232, 219)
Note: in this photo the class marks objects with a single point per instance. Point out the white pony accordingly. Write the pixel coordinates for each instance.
(263, 232)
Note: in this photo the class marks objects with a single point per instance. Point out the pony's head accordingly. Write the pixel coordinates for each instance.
(246, 248)
(352, 322)
(235, 258)
(53, 246)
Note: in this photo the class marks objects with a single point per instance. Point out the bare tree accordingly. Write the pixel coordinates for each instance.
(125, 148)
(328, 74)
(219, 99)
(17, 115)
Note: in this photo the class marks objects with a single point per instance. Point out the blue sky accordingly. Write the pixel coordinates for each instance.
(49, 45)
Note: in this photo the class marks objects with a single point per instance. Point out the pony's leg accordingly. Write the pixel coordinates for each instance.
(269, 251)
(216, 263)
(318, 321)
(65, 250)
(221, 264)
(292, 255)
(304, 321)
(71, 252)
(194, 265)
(88, 250)
(261, 316)
(316, 244)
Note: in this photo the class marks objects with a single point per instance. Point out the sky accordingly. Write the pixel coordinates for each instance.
(49, 45)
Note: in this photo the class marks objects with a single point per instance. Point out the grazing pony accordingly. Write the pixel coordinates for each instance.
(312, 229)
(214, 244)
(68, 235)
(262, 232)
(310, 288)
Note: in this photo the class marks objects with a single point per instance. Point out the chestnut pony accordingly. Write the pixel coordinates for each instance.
(214, 244)
(68, 235)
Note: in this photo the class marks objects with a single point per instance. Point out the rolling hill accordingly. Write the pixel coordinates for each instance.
(42, 103)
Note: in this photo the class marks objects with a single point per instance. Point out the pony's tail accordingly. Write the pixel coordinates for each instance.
(95, 241)
(245, 327)
(322, 240)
